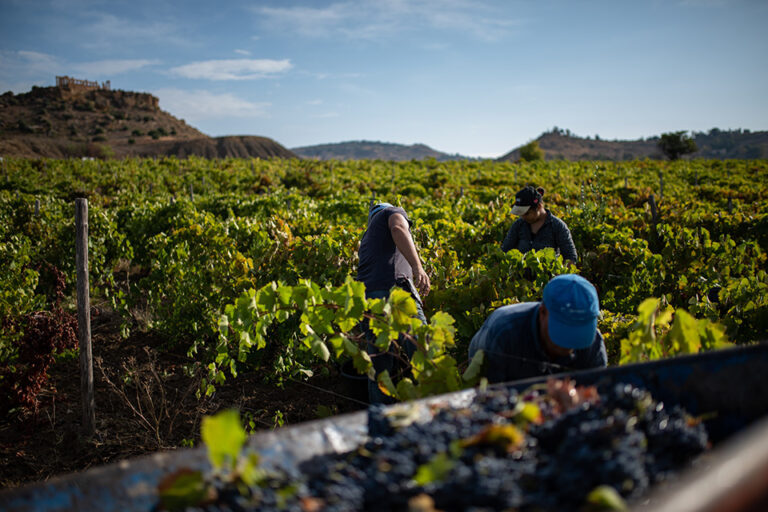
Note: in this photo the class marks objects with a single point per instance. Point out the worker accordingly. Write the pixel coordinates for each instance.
(388, 258)
(536, 227)
(532, 339)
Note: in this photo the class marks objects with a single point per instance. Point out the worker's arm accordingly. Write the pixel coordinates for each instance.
(401, 235)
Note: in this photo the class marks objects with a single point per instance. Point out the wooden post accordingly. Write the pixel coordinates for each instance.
(173, 200)
(730, 206)
(461, 192)
(373, 200)
(654, 212)
(288, 203)
(191, 193)
(37, 207)
(626, 182)
(696, 179)
(84, 315)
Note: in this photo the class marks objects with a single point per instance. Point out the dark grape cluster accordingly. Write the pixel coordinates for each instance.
(623, 439)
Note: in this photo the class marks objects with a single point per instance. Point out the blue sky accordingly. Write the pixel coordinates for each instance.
(473, 77)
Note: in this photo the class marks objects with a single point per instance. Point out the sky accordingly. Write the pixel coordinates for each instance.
(473, 77)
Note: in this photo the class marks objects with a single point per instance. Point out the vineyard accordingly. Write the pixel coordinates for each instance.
(245, 267)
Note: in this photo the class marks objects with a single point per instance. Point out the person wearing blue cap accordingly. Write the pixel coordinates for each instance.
(532, 339)
(388, 258)
(536, 228)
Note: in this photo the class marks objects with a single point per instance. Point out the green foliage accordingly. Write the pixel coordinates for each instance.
(661, 331)
(172, 264)
(224, 436)
(676, 144)
(531, 152)
(328, 321)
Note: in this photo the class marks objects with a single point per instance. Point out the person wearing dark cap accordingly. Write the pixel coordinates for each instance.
(388, 258)
(532, 339)
(537, 228)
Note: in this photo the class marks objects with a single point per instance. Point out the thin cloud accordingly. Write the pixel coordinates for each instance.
(113, 67)
(377, 19)
(201, 105)
(108, 31)
(233, 69)
(242, 52)
(26, 63)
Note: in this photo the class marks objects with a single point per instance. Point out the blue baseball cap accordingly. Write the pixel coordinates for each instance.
(573, 308)
(376, 209)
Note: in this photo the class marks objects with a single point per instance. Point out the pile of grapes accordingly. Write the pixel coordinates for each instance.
(557, 447)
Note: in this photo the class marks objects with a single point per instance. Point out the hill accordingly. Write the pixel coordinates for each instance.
(92, 121)
(718, 144)
(370, 150)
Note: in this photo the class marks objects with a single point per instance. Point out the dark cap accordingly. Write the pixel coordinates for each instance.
(524, 199)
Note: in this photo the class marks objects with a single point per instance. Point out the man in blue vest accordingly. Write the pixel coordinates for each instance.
(555, 335)
(388, 258)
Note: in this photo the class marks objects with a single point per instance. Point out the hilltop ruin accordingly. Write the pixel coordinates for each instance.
(75, 84)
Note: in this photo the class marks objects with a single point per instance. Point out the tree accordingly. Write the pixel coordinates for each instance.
(531, 152)
(676, 144)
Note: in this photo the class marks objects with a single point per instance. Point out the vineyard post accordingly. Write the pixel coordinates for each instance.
(461, 191)
(626, 182)
(37, 207)
(373, 199)
(204, 184)
(84, 315)
(173, 200)
(654, 212)
(191, 193)
(150, 189)
(730, 206)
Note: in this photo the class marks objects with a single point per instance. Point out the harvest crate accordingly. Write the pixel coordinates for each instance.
(728, 387)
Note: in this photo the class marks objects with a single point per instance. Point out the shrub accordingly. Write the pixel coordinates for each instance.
(531, 152)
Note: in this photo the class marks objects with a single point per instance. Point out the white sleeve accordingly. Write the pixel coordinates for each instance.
(402, 267)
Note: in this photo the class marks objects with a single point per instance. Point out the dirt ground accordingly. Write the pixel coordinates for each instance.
(145, 402)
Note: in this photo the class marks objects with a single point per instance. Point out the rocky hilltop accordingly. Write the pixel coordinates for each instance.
(93, 121)
(719, 144)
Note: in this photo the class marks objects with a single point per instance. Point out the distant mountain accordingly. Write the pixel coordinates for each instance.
(717, 144)
(370, 150)
(77, 120)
